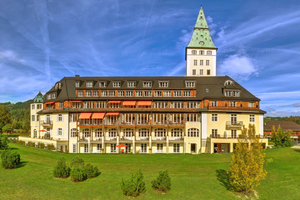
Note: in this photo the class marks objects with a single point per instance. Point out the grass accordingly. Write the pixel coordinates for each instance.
(192, 176)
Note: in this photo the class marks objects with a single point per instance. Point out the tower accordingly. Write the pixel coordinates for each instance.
(36, 106)
(201, 53)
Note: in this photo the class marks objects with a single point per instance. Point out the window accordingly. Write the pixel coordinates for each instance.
(120, 93)
(160, 132)
(144, 132)
(88, 93)
(37, 118)
(143, 148)
(209, 53)
(189, 84)
(98, 132)
(86, 133)
(103, 93)
(233, 119)
(195, 62)
(74, 117)
(160, 104)
(228, 83)
(80, 93)
(192, 104)
(157, 93)
(112, 133)
(32, 118)
(60, 118)
(214, 133)
(177, 93)
(88, 104)
(49, 96)
(34, 133)
(39, 106)
(95, 93)
(76, 105)
(233, 134)
(99, 147)
(102, 84)
(59, 131)
(74, 148)
(89, 84)
(201, 62)
(176, 132)
(73, 132)
(202, 52)
(167, 93)
(139, 93)
(111, 93)
(201, 72)
(86, 148)
(77, 84)
(186, 93)
(131, 84)
(179, 104)
(100, 104)
(251, 118)
(61, 105)
(147, 93)
(163, 84)
(159, 147)
(208, 72)
(193, 118)
(251, 105)
(213, 103)
(128, 132)
(113, 148)
(236, 93)
(207, 62)
(193, 132)
(232, 103)
(176, 148)
(194, 72)
(32, 107)
(117, 84)
(53, 95)
(214, 117)
(129, 93)
(194, 52)
(147, 84)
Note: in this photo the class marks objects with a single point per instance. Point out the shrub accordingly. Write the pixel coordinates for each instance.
(10, 159)
(91, 171)
(61, 170)
(31, 144)
(50, 147)
(77, 161)
(20, 142)
(41, 145)
(12, 140)
(135, 185)
(78, 173)
(163, 182)
(3, 142)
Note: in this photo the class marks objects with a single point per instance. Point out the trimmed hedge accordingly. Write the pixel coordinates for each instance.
(10, 159)
(135, 185)
(163, 182)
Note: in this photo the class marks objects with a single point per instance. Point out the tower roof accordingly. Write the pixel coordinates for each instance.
(39, 98)
(201, 36)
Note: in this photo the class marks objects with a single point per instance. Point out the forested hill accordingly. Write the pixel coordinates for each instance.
(19, 114)
(291, 119)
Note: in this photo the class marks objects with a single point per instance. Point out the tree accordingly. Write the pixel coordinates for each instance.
(135, 185)
(3, 142)
(4, 117)
(7, 128)
(163, 182)
(281, 138)
(247, 162)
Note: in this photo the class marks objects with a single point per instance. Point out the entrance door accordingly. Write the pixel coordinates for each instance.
(193, 148)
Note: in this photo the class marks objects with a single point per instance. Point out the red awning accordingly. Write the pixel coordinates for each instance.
(121, 145)
(145, 103)
(85, 115)
(51, 102)
(129, 103)
(43, 131)
(98, 115)
(76, 101)
(114, 101)
(112, 113)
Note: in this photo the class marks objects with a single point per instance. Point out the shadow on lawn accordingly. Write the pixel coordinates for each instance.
(22, 164)
(223, 177)
(13, 149)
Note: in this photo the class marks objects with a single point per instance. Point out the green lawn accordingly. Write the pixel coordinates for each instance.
(192, 176)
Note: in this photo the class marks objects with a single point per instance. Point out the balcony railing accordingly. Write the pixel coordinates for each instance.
(233, 136)
(46, 123)
(160, 123)
(176, 123)
(234, 124)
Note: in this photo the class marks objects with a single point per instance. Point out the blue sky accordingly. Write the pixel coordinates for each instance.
(43, 41)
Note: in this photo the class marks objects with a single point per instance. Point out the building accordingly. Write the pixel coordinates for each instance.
(197, 113)
(293, 127)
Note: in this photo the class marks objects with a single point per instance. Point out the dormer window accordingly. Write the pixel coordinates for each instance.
(57, 85)
(229, 83)
(53, 95)
(77, 84)
(117, 84)
(147, 84)
(89, 84)
(163, 84)
(131, 84)
(49, 96)
(190, 84)
(102, 84)
(232, 93)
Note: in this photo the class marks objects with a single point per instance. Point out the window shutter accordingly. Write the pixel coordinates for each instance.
(62, 117)
(62, 131)
(56, 131)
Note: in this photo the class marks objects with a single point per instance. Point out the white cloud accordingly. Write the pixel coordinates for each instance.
(238, 66)
(11, 56)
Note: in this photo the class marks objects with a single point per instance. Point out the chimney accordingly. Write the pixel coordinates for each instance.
(76, 75)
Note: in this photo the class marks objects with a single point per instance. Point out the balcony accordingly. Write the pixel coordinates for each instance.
(180, 123)
(231, 108)
(160, 123)
(233, 136)
(234, 124)
(46, 123)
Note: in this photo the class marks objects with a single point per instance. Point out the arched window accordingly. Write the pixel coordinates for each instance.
(98, 132)
(202, 52)
(34, 133)
(112, 132)
(229, 83)
(176, 132)
(128, 132)
(193, 132)
(144, 132)
(73, 132)
(194, 52)
(85, 132)
(209, 52)
(160, 132)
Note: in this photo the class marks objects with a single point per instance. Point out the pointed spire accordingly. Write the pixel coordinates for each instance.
(201, 35)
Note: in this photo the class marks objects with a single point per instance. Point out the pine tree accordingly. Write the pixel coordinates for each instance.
(247, 162)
